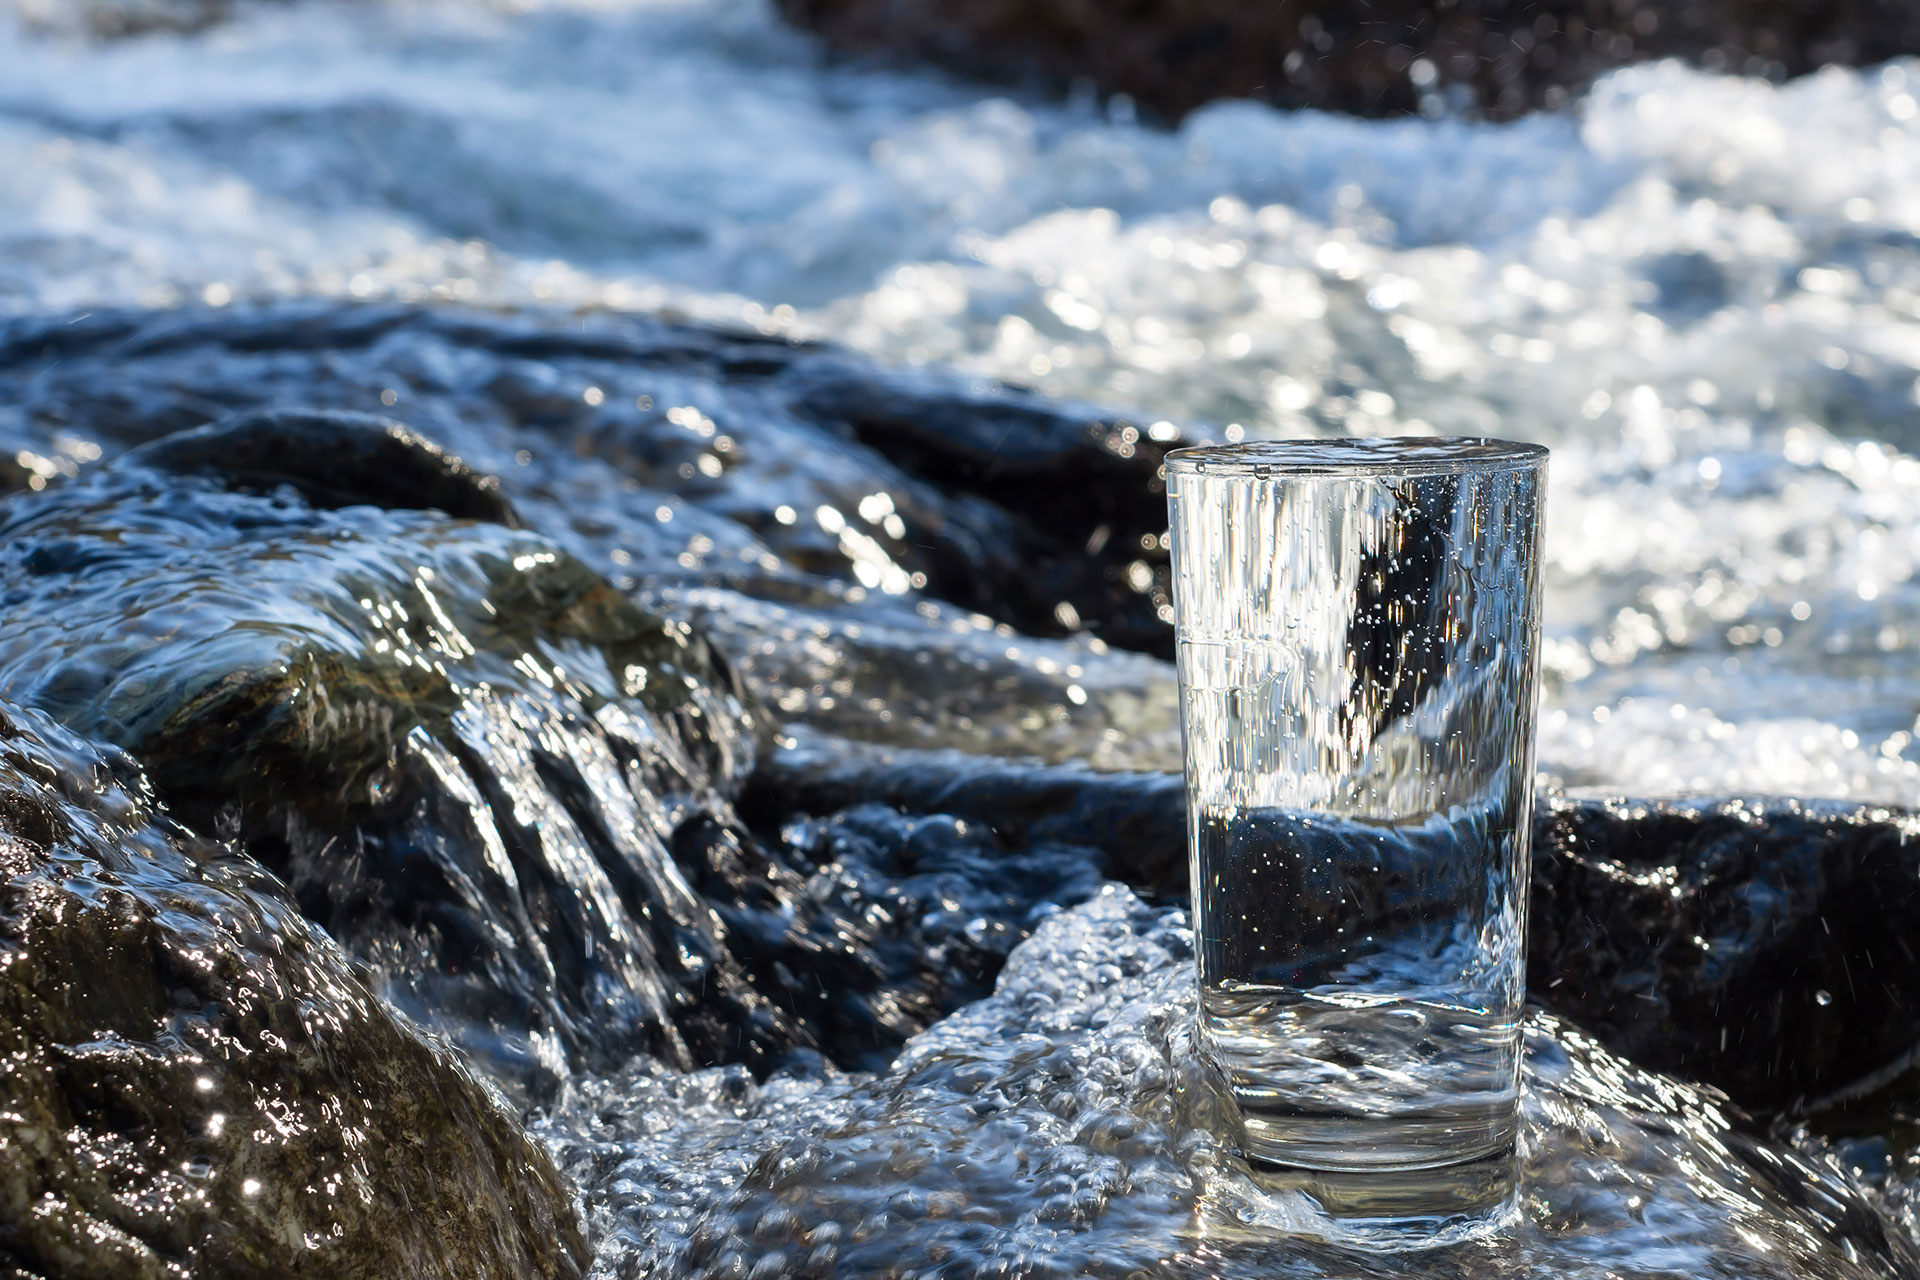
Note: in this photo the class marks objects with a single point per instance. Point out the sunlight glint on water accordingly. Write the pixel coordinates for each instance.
(1697, 288)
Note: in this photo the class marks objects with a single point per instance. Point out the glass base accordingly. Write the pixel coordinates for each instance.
(1408, 1208)
(1388, 1190)
(1372, 1211)
(1468, 1132)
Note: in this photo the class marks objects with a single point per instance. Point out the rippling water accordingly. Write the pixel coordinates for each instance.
(1702, 291)
(972, 1156)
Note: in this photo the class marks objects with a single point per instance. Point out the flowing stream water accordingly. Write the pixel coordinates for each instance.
(1702, 291)
(1699, 289)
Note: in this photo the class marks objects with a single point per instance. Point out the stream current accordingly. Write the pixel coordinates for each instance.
(1702, 291)
(1699, 289)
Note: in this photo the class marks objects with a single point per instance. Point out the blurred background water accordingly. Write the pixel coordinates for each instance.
(1702, 290)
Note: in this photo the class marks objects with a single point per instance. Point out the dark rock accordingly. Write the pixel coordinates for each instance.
(464, 752)
(198, 1082)
(1759, 946)
(1381, 58)
(1764, 946)
(790, 456)
(1085, 493)
(881, 923)
(1137, 821)
(743, 483)
(333, 459)
(487, 773)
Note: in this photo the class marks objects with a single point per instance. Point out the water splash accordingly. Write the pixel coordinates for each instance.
(199, 1079)
(1696, 288)
(1053, 1128)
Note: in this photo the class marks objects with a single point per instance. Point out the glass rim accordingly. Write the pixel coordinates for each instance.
(1358, 457)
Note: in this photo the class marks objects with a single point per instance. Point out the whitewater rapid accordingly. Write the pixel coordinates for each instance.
(1702, 291)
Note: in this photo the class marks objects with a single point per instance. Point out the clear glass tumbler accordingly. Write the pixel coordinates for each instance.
(1358, 628)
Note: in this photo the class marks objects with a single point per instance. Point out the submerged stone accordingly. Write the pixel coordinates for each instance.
(198, 1082)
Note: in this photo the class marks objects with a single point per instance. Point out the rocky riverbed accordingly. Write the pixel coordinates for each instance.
(403, 695)
(564, 712)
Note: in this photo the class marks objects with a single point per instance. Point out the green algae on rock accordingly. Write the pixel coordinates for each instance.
(195, 1081)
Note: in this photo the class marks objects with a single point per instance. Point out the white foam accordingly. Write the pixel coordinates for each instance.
(1701, 290)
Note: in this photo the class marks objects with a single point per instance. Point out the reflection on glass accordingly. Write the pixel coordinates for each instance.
(1357, 636)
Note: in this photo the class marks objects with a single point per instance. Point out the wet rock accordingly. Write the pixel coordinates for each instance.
(1051, 1130)
(1761, 945)
(882, 479)
(926, 679)
(773, 493)
(199, 1083)
(879, 923)
(1137, 821)
(1082, 488)
(333, 459)
(1758, 946)
(483, 770)
(1504, 57)
(466, 754)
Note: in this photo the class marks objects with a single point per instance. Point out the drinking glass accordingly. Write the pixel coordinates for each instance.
(1358, 624)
